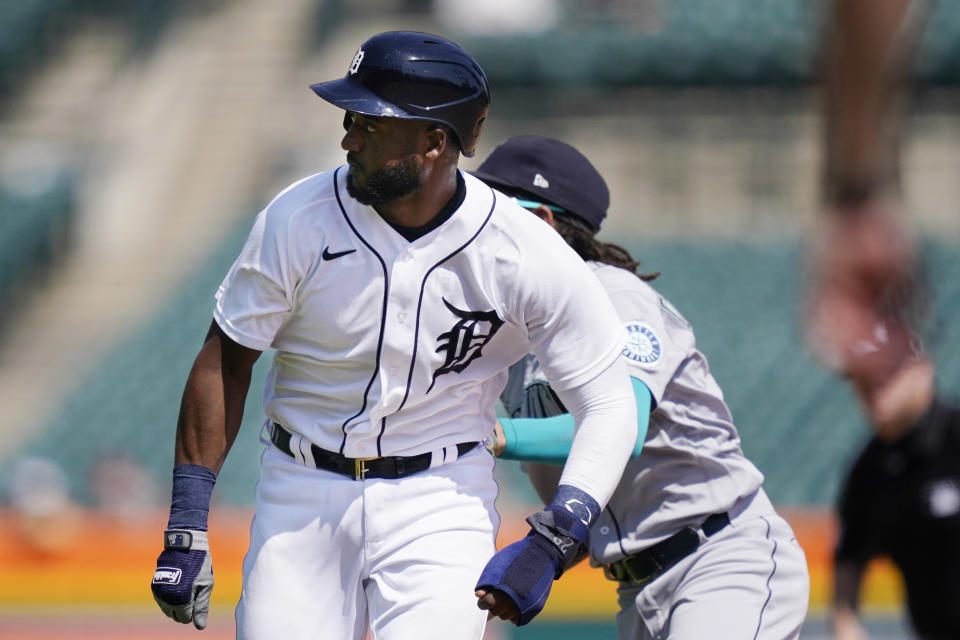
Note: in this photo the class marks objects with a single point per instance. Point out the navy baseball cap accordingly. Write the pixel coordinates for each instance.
(550, 171)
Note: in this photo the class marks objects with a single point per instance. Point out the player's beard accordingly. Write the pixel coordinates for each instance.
(387, 184)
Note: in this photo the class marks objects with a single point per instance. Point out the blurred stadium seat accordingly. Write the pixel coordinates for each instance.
(682, 43)
(130, 406)
(34, 226)
(30, 29)
(25, 36)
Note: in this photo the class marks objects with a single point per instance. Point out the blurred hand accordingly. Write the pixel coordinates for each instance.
(846, 626)
(861, 287)
(896, 406)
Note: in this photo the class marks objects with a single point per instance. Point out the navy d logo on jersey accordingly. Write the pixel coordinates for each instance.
(643, 345)
(463, 343)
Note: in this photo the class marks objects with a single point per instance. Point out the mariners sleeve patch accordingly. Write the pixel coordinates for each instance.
(643, 346)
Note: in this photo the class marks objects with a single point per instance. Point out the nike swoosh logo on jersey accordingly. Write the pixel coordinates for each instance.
(333, 256)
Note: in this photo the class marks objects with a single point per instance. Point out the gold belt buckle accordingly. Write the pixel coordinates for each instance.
(620, 571)
(360, 468)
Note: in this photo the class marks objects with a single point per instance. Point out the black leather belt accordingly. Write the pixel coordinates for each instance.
(360, 468)
(641, 568)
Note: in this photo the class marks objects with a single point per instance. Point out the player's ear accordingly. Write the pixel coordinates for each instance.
(543, 212)
(438, 139)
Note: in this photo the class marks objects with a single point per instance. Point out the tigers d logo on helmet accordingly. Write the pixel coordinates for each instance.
(355, 65)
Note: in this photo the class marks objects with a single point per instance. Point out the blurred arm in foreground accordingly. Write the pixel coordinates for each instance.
(862, 257)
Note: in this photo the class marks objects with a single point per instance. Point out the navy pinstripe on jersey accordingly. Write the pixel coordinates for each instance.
(383, 315)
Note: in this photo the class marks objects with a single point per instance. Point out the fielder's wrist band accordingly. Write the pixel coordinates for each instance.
(192, 488)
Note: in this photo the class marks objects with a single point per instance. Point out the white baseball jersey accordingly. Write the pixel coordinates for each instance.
(692, 464)
(390, 347)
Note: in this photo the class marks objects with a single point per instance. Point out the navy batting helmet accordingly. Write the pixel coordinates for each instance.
(411, 75)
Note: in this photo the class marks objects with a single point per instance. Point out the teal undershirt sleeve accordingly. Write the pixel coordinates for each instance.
(548, 440)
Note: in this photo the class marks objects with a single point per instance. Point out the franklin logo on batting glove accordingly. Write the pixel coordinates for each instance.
(167, 575)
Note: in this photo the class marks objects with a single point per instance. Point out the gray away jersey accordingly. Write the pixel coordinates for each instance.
(692, 464)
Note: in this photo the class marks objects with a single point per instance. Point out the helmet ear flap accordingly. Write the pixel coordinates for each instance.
(478, 127)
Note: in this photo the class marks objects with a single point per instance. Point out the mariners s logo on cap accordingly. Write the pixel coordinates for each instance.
(643, 346)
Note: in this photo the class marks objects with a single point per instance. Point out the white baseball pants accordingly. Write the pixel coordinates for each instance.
(330, 555)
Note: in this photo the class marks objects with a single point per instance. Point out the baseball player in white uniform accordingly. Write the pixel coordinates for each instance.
(396, 291)
(689, 534)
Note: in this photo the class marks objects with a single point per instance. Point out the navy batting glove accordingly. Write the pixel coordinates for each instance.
(183, 581)
(526, 569)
